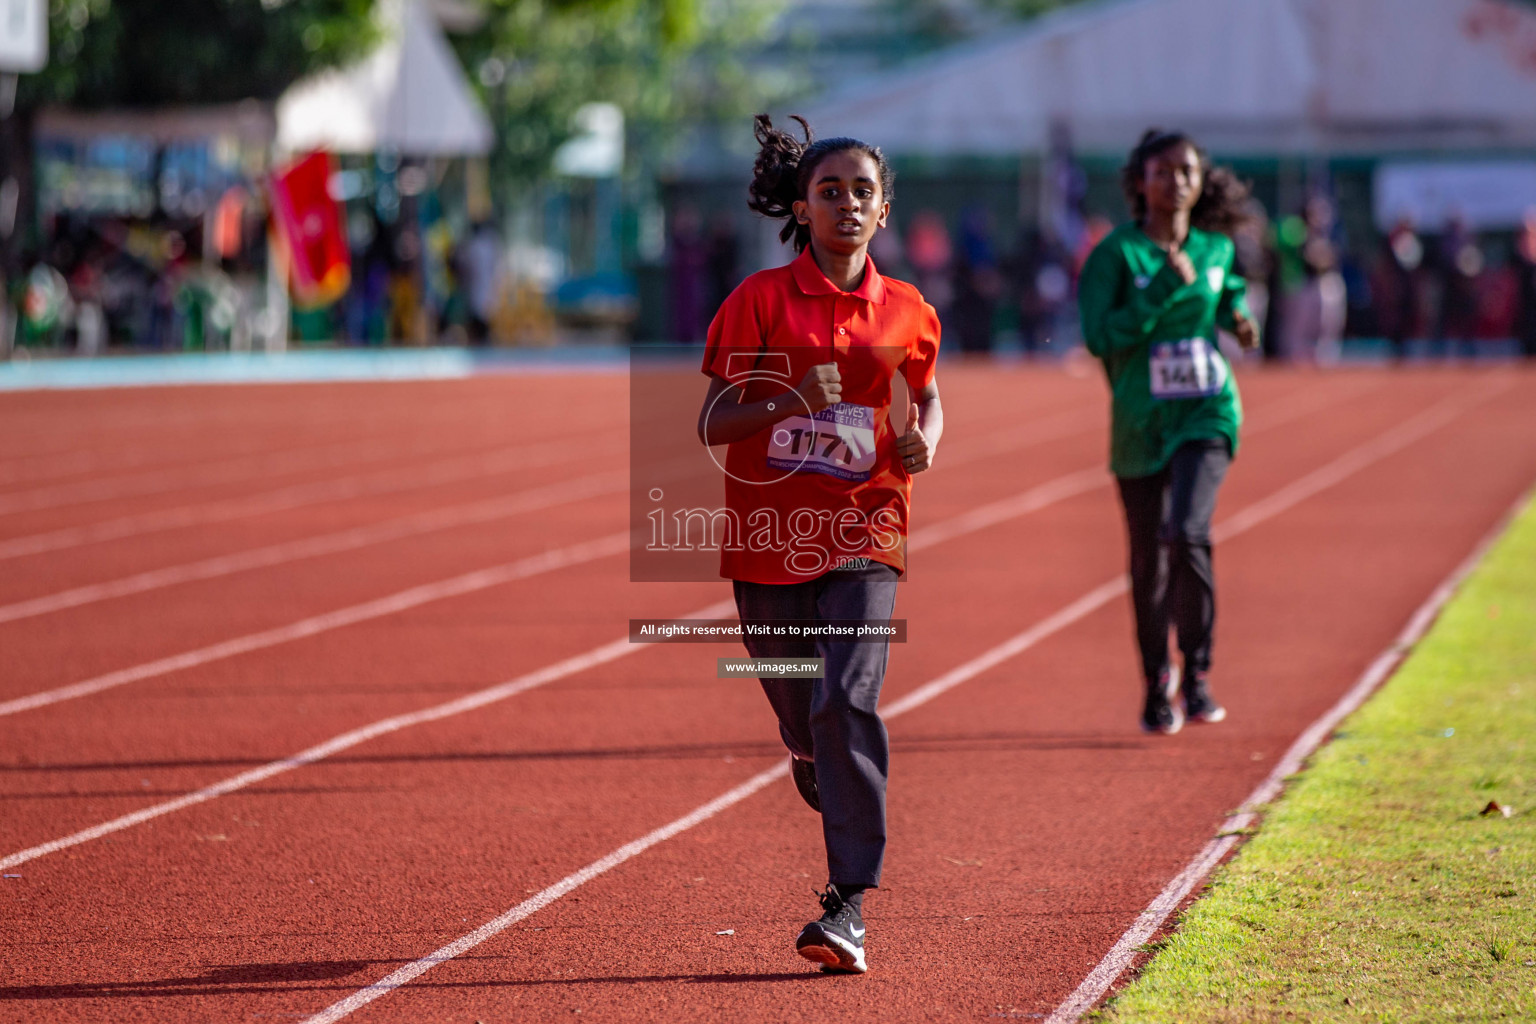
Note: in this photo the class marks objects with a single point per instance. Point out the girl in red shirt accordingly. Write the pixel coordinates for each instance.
(818, 482)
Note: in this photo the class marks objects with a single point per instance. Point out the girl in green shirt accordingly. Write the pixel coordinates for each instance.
(1152, 295)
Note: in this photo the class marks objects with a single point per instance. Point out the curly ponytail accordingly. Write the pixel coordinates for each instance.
(775, 174)
(1223, 203)
(781, 175)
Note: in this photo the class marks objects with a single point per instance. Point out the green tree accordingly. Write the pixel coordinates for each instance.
(149, 52)
(152, 52)
(668, 64)
(937, 22)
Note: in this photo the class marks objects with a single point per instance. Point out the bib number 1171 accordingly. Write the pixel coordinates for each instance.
(838, 441)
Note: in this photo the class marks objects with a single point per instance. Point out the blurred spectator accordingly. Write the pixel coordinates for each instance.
(888, 252)
(479, 269)
(1459, 265)
(687, 265)
(1255, 261)
(1042, 287)
(978, 283)
(367, 302)
(928, 254)
(1399, 286)
(724, 260)
(85, 287)
(1496, 298)
(45, 306)
(1523, 260)
(1313, 322)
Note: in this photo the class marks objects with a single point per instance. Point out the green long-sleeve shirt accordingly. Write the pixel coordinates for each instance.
(1156, 336)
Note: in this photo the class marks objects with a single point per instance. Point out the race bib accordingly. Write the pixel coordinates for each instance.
(838, 441)
(1187, 369)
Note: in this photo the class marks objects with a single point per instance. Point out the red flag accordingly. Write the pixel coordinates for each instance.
(309, 227)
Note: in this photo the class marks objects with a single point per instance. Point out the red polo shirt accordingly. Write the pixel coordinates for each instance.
(812, 491)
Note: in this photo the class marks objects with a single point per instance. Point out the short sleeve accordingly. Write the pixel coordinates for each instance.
(922, 351)
(735, 331)
(1234, 296)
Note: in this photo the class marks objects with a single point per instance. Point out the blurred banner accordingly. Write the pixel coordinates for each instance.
(309, 228)
(1488, 195)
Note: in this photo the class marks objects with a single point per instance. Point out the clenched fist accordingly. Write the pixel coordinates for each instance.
(822, 386)
(1247, 332)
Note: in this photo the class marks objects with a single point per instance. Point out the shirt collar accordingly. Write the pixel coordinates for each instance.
(813, 282)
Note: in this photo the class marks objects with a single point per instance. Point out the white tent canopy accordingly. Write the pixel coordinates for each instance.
(409, 95)
(1263, 76)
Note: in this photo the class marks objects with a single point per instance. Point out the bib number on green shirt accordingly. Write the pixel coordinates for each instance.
(1191, 368)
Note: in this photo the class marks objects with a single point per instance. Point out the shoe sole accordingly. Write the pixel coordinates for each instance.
(834, 959)
(1178, 724)
(1209, 717)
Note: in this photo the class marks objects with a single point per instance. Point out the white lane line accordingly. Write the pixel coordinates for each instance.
(996, 441)
(979, 519)
(969, 522)
(609, 652)
(987, 515)
(204, 474)
(139, 460)
(1284, 499)
(545, 897)
(1124, 952)
(478, 699)
(1052, 428)
(284, 498)
(432, 520)
(1085, 480)
(1079, 482)
(426, 522)
(414, 597)
(1245, 519)
(1070, 423)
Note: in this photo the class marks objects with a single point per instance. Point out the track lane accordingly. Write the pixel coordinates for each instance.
(1094, 774)
(117, 733)
(1277, 421)
(1012, 440)
(50, 651)
(691, 984)
(59, 431)
(54, 530)
(798, 851)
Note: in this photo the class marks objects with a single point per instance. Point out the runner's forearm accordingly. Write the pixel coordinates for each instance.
(729, 422)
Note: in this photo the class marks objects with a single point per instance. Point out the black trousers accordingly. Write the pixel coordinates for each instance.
(1168, 516)
(833, 720)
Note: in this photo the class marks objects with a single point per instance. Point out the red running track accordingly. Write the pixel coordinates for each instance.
(1030, 820)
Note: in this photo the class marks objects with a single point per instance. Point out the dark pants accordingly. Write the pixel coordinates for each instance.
(832, 720)
(1168, 516)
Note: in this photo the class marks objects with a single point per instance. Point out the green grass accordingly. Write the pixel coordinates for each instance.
(1375, 890)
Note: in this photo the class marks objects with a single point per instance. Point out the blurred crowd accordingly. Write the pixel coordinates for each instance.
(141, 283)
(1409, 293)
(1320, 296)
(163, 284)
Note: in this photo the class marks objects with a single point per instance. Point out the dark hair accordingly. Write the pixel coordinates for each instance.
(782, 174)
(1223, 202)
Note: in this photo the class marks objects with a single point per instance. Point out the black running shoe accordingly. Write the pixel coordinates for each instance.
(1198, 703)
(1161, 713)
(804, 773)
(837, 940)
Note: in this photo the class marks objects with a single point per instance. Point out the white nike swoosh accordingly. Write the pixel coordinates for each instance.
(858, 933)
